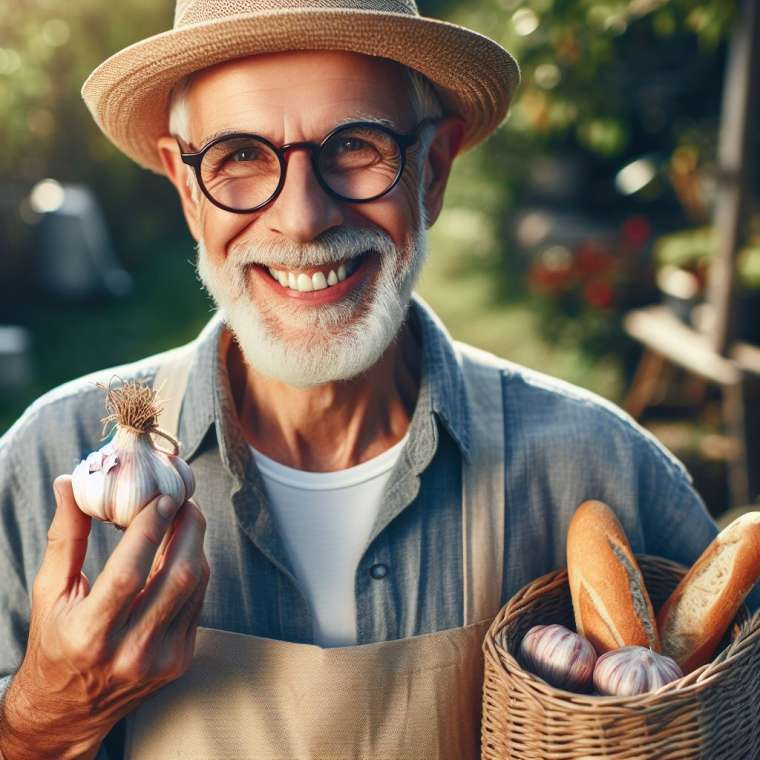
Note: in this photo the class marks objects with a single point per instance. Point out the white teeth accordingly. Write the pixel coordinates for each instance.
(317, 281)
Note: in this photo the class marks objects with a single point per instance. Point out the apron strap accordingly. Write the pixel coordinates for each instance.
(483, 494)
(173, 373)
(170, 384)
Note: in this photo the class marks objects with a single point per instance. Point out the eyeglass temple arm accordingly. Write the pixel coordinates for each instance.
(191, 159)
(412, 137)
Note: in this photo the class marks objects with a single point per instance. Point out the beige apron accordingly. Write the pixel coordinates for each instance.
(419, 698)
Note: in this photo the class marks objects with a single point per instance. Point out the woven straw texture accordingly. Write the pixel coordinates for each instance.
(198, 11)
(128, 94)
(712, 713)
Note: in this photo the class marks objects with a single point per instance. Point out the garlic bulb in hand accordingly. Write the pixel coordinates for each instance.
(559, 656)
(114, 483)
(633, 670)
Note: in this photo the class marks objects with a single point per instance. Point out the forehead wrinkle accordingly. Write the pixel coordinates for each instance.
(352, 117)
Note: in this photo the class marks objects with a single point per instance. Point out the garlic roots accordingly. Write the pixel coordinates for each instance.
(115, 482)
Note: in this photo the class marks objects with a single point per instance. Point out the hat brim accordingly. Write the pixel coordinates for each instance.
(128, 94)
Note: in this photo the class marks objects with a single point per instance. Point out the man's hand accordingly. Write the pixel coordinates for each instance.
(94, 654)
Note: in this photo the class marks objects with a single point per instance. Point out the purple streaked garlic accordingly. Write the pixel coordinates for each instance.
(560, 656)
(115, 482)
(633, 670)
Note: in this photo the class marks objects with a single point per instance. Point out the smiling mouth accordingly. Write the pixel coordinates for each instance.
(316, 278)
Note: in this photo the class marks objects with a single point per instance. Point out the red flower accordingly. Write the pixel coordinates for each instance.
(549, 279)
(594, 259)
(598, 294)
(636, 231)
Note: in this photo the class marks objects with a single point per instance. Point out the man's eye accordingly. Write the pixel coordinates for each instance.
(350, 144)
(244, 154)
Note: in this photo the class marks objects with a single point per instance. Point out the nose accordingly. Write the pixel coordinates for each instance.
(303, 210)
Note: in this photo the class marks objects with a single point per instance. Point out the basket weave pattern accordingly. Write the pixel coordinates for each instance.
(713, 713)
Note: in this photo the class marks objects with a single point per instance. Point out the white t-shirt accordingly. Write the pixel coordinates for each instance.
(325, 519)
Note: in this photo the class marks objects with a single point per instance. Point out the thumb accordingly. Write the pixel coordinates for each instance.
(67, 536)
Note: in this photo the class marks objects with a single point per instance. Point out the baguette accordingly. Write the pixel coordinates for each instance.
(697, 614)
(610, 602)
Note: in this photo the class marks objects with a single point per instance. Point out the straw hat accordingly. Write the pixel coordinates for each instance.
(128, 94)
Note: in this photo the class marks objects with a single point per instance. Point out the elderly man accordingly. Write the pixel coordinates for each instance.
(369, 492)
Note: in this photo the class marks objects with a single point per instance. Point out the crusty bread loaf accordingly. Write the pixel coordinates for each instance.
(697, 614)
(610, 601)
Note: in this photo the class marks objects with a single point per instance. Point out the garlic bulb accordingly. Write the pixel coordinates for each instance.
(559, 656)
(633, 670)
(115, 482)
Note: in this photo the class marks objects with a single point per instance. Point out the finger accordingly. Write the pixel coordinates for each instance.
(188, 624)
(178, 644)
(160, 557)
(183, 569)
(189, 615)
(67, 539)
(126, 570)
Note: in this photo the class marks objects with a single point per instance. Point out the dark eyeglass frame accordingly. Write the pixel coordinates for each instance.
(404, 142)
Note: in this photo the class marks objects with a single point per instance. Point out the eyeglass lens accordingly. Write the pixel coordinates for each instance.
(357, 163)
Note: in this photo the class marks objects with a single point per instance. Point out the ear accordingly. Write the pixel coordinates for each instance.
(177, 172)
(444, 147)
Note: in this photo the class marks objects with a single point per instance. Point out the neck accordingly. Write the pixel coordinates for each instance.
(332, 426)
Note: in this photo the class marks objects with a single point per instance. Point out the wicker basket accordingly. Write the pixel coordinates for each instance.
(712, 713)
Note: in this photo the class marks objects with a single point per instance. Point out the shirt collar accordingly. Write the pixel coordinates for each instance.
(198, 406)
(442, 374)
(208, 398)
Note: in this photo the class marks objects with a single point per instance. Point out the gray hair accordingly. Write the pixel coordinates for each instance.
(422, 95)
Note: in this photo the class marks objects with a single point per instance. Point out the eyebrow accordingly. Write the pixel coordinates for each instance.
(356, 116)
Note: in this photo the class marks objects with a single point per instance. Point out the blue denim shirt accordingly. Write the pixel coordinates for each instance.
(563, 445)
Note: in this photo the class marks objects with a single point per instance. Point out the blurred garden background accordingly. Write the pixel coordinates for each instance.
(595, 198)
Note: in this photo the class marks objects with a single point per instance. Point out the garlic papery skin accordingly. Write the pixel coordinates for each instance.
(117, 481)
(633, 670)
(560, 656)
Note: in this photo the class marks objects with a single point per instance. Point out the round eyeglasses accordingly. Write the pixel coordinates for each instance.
(357, 162)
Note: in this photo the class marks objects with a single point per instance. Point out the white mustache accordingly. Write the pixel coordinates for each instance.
(331, 247)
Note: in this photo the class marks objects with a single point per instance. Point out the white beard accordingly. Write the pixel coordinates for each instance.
(305, 345)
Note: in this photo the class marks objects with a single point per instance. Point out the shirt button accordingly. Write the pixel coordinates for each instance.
(378, 571)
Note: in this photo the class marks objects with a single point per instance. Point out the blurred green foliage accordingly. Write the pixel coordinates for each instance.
(607, 80)
(693, 249)
(598, 72)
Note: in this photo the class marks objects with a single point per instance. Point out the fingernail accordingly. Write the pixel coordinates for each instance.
(166, 507)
